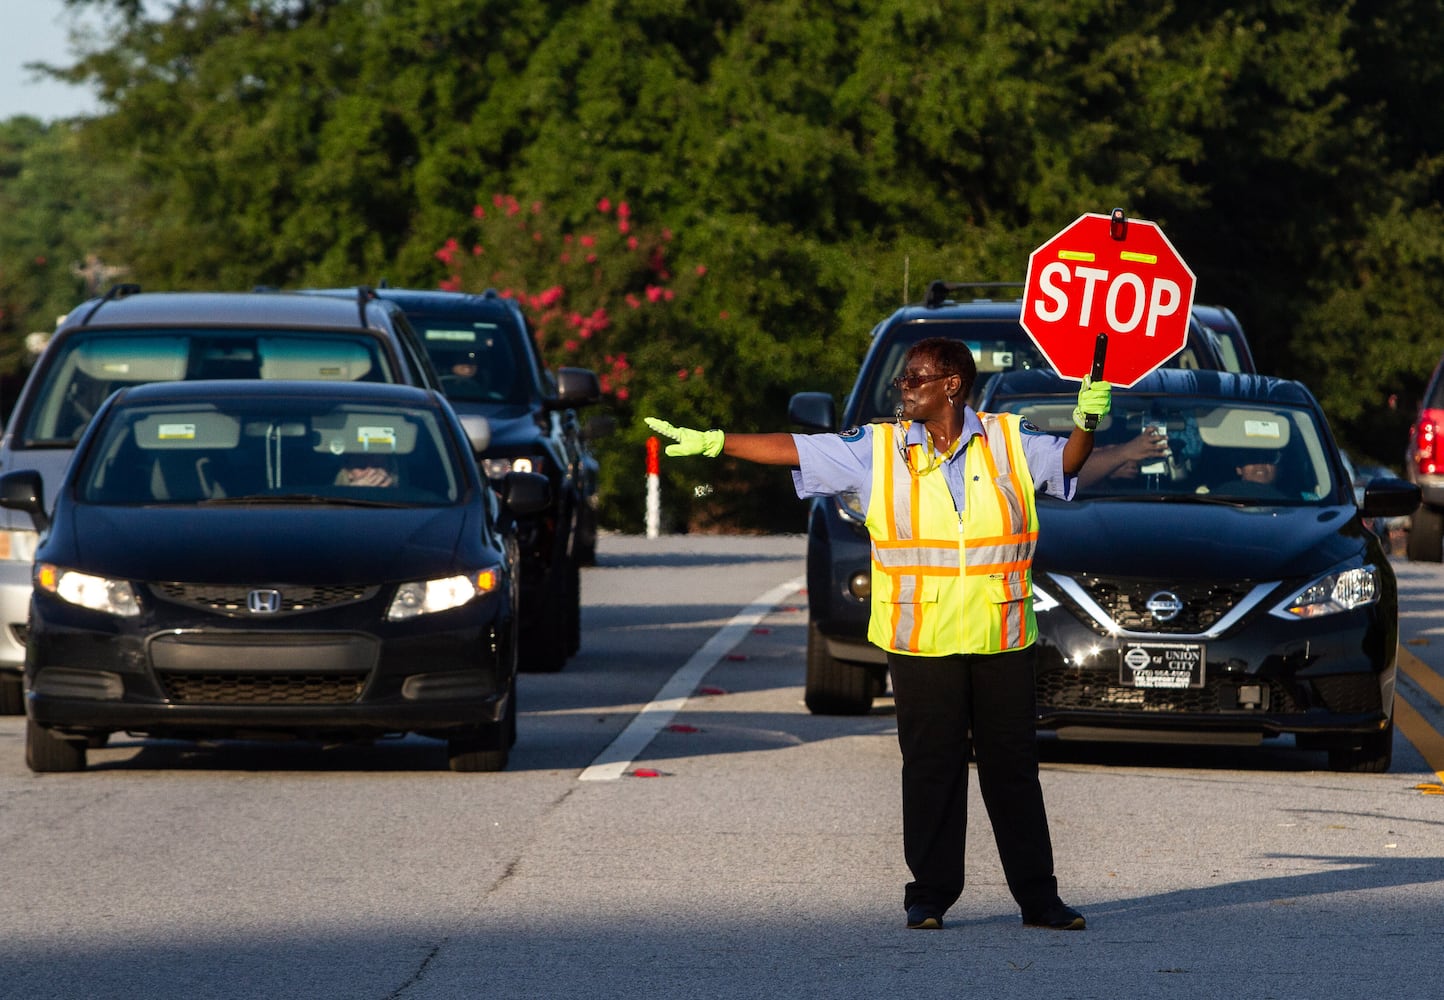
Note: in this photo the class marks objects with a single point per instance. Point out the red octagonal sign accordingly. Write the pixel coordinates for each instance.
(1108, 274)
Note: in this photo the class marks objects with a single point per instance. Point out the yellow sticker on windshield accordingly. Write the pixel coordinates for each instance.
(176, 432)
(367, 437)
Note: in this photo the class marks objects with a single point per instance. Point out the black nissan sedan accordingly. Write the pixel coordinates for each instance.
(253, 559)
(1224, 591)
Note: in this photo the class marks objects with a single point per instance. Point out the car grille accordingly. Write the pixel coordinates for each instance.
(261, 688)
(231, 601)
(1098, 688)
(1126, 603)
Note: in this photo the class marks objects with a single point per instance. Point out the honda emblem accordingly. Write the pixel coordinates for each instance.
(263, 602)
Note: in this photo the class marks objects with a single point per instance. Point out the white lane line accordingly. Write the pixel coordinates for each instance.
(612, 762)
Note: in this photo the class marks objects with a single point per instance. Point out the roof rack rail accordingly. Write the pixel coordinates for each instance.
(114, 292)
(938, 290)
(364, 294)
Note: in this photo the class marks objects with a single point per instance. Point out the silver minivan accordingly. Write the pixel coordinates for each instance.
(127, 337)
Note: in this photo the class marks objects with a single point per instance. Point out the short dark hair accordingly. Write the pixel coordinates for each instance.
(947, 355)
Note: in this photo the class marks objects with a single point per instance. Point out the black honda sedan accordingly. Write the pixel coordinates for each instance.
(1213, 580)
(273, 560)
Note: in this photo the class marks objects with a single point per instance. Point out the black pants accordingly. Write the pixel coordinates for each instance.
(939, 700)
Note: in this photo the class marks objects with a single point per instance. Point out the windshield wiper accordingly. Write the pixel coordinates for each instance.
(296, 498)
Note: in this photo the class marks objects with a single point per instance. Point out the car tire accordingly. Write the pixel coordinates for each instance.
(12, 696)
(1373, 755)
(46, 753)
(1426, 535)
(584, 545)
(487, 748)
(546, 643)
(833, 686)
(574, 606)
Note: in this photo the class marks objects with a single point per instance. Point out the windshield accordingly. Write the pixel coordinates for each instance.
(1174, 446)
(260, 449)
(476, 359)
(89, 366)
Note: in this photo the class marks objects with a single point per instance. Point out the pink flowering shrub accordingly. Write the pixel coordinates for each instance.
(595, 291)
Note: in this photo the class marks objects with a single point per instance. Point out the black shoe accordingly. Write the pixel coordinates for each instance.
(924, 918)
(1056, 916)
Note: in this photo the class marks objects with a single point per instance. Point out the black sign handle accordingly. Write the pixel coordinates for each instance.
(1100, 351)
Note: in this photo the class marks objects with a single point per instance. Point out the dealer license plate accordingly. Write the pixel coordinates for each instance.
(1161, 665)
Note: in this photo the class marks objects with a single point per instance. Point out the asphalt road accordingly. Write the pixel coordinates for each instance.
(674, 824)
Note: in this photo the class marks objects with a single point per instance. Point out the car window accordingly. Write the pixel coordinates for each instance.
(258, 448)
(476, 359)
(997, 346)
(88, 367)
(1216, 448)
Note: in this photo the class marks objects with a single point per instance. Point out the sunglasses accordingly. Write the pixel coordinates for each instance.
(913, 381)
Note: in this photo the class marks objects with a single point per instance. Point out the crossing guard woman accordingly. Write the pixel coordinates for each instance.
(949, 496)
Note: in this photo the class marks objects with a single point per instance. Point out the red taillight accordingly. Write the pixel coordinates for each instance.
(1428, 439)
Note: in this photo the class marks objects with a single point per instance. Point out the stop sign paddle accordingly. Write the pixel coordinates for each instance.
(1105, 279)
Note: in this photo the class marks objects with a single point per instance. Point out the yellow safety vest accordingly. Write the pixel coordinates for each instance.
(945, 581)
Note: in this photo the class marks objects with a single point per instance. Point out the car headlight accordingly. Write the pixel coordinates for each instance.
(98, 593)
(18, 544)
(1343, 590)
(421, 597)
(496, 468)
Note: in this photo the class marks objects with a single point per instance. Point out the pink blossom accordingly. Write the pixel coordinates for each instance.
(633, 301)
(624, 210)
(631, 243)
(497, 200)
(551, 296)
(669, 295)
(591, 258)
(622, 393)
(589, 241)
(653, 293)
(604, 206)
(681, 374)
(624, 227)
(477, 212)
(451, 284)
(667, 235)
(571, 346)
(565, 258)
(701, 269)
(477, 251)
(536, 208)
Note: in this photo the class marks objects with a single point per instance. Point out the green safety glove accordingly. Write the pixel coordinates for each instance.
(689, 442)
(1094, 399)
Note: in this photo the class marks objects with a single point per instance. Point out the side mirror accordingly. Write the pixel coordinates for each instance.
(578, 387)
(478, 431)
(24, 491)
(525, 492)
(813, 410)
(1386, 497)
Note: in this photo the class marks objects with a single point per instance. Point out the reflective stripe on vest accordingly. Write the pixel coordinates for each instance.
(944, 582)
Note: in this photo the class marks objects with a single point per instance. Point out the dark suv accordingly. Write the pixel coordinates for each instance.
(127, 337)
(489, 364)
(844, 671)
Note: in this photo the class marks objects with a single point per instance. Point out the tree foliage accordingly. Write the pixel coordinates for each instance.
(819, 162)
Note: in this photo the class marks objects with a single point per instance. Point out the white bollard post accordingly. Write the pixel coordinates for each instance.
(654, 487)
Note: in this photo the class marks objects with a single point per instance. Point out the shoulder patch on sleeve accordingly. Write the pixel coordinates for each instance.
(1028, 427)
(851, 434)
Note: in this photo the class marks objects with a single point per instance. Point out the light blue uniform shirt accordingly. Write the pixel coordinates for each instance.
(842, 463)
